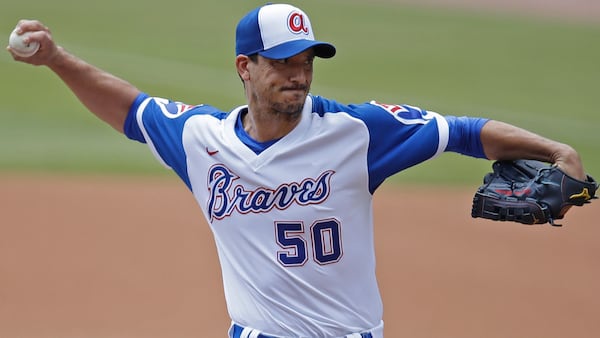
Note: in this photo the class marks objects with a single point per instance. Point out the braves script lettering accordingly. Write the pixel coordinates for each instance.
(225, 197)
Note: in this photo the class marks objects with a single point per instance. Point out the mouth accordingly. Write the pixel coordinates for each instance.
(294, 89)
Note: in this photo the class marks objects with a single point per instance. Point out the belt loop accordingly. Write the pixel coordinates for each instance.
(360, 335)
(254, 334)
(238, 331)
(246, 333)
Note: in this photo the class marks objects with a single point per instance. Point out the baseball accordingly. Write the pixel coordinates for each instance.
(19, 47)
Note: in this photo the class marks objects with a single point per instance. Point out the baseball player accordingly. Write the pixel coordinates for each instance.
(286, 181)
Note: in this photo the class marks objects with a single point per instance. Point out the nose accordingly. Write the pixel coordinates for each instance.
(299, 74)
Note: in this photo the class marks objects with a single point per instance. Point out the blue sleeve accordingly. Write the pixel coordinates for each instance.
(130, 127)
(465, 135)
(160, 123)
(402, 136)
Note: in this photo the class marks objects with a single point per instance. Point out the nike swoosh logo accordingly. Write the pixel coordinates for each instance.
(211, 153)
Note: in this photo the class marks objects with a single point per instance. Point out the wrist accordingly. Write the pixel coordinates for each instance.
(569, 161)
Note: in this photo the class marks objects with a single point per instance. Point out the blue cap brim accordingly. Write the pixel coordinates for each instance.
(286, 50)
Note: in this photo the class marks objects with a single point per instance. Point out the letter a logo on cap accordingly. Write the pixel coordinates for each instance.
(296, 23)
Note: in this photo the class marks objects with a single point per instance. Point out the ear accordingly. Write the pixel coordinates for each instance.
(241, 64)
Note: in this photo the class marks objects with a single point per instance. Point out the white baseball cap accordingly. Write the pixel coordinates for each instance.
(278, 31)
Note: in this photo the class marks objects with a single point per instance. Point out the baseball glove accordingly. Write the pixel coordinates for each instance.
(530, 192)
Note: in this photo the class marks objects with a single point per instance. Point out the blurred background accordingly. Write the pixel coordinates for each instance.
(98, 240)
(530, 63)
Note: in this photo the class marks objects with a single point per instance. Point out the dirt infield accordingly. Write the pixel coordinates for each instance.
(122, 257)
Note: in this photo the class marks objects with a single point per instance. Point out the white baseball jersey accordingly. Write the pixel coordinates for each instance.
(293, 219)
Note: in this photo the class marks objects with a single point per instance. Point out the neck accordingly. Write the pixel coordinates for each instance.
(267, 126)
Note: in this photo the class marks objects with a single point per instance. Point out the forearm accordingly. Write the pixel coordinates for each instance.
(105, 95)
(502, 141)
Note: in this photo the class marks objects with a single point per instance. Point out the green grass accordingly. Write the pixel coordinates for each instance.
(542, 75)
